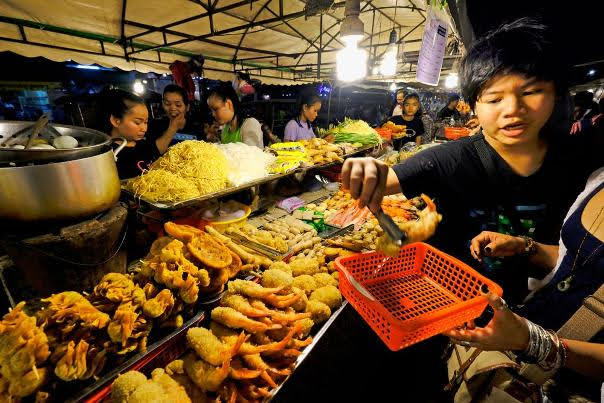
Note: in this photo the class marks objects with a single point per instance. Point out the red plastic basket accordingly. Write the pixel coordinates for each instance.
(419, 294)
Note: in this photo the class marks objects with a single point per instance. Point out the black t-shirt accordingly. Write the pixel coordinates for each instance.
(131, 159)
(416, 125)
(472, 201)
(157, 127)
(445, 113)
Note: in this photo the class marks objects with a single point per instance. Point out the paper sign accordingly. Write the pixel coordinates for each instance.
(432, 51)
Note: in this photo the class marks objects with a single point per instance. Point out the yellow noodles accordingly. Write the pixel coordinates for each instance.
(160, 185)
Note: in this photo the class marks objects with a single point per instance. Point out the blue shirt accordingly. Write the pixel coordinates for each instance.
(296, 130)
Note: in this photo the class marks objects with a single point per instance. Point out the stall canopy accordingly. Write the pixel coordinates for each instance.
(278, 41)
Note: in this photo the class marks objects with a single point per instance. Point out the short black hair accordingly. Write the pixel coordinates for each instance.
(177, 89)
(415, 95)
(523, 47)
(452, 98)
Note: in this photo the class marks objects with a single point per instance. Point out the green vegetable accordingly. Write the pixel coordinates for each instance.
(356, 131)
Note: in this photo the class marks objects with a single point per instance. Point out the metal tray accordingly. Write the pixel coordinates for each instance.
(225, 192)
(98, 391)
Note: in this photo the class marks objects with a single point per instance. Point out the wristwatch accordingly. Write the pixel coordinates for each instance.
(530, 246)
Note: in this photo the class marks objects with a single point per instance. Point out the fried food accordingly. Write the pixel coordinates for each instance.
(158, 245)
(72, 365)
(23, 350)
(206, 376)
(70, 306)
(115, 289)
(220, 278)
(207, 345)
(241, 304)
(306, 283)
(209, 251)
(323, 279)
(300, 305)
(125, 385)
(280, 265)
(318, 310)
(236, 320)
(329, 295)
(122, 325)
(182, 232)
(304, 266)
(276, 278)
(134, 387)
(235, 267)
(160, 304)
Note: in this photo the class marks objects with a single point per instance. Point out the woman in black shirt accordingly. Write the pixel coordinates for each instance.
(176, 107)
(126, 116)
(412, 118)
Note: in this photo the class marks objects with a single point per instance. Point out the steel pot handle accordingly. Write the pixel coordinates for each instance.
(121, 147)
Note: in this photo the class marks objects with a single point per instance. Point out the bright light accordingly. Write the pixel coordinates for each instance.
(351, 62)
(266, 97)
(86, 67)
(144, 81)
(452, 80)
(164, 75)
(138, 87)
(375, 71)
(393, 87)
(591, 72)
(388, 64)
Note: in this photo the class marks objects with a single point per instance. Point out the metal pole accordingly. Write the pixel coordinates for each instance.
(320, 46)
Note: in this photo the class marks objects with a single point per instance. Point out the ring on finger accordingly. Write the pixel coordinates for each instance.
(503, 306)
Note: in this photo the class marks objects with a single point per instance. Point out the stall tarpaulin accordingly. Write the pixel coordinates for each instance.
(277, 41)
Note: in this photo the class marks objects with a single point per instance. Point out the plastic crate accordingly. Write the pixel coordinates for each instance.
(421, 293)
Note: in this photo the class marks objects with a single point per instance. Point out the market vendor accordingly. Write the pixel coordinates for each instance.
(175, 104)
(227, 111)
(516, 175)
(126, 116)
(450, 109)
(412, 119)
(300, 127)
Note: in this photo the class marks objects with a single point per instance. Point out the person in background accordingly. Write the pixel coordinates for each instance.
(126, 115)
(182, 73)
(300, 127)
(412, 118)
(585, 109)
(228, 111)
(398, 109)
(176, 107)
(450, 109)
(242, 84)
(269, 137)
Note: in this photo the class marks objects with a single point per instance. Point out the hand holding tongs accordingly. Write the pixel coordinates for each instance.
(390, 227)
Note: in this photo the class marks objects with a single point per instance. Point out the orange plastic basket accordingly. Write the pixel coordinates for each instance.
(419, 294)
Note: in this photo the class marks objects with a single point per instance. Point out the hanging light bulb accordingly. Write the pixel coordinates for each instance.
(452, 80)
(138, 87)
(388, 64)
(351, 62)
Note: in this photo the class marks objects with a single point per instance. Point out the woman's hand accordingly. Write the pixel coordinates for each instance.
(494, 244)
(506, 331)
(178, 122)
(366, 179)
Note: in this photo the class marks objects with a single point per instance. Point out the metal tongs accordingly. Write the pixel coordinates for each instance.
(390, 227)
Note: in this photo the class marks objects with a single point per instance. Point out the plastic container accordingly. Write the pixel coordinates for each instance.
(455, 133)
(419, 294)
(238, 222)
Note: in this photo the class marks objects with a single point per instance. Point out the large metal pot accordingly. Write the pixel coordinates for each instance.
(90, 142)
(61, 190)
